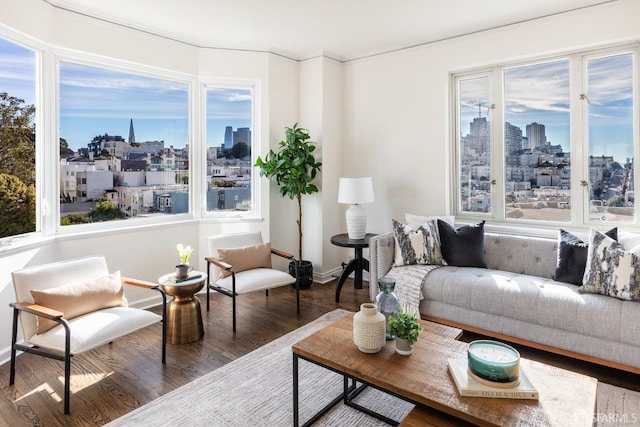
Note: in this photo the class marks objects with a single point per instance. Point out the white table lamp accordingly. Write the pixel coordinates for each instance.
(356, 191)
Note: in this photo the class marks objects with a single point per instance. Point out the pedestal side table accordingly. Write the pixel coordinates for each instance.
(184, 318)
(357, 264)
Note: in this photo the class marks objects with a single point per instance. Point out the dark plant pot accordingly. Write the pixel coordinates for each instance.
(304, 275)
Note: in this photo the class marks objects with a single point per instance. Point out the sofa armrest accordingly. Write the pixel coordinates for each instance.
(381, 253)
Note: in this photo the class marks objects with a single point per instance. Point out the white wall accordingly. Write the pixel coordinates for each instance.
(396, 111)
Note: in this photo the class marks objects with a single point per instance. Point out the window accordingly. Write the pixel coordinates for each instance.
(474, 158)
(125, 136)
(17, 139)
(537, 162)
(609, 98)
(229, 148)
(562, 146)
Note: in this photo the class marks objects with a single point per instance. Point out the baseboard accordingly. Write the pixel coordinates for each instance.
(328, 276)
(335, 274)
(5, 355)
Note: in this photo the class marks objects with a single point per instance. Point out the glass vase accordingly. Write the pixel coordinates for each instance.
(387, 302)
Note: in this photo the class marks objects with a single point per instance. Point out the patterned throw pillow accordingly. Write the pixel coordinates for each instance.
(610, 269)
(421, 246)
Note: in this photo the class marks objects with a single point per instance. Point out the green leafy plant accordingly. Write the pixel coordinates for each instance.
(405, 326)
(292, 168)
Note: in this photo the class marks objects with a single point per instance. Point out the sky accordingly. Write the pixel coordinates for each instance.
(94, 101)
(540, 93)
(17, 71)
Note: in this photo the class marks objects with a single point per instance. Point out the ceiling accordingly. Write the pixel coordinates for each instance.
(301, 29)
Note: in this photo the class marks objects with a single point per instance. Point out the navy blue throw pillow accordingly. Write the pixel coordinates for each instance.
(572, 256)
(463, 247)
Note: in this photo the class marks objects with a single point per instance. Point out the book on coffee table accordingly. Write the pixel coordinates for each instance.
(468, 387)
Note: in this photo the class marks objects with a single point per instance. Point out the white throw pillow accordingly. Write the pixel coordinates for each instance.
(415, 221)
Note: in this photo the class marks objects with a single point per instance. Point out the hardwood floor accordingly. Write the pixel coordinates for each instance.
(117, 378)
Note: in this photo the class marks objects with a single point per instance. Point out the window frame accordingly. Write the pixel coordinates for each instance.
(253, 214)
(578, 143)
(41, 206)
(48, 227)
(112, 64)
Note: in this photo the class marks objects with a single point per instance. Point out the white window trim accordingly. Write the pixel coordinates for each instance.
(496, 220)
(254, 214)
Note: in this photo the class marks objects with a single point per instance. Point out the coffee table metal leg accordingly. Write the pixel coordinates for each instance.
(296, 398)
(352, 392)
(296, 421)
(349, 393)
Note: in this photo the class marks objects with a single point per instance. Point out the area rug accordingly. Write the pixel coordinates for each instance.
(256, 390)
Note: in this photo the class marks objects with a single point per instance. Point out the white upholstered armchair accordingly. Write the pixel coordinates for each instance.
(69, 307)
(240, 262)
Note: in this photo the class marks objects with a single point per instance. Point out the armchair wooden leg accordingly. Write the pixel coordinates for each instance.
(208, 281)
(67, 365)
(67, 381)
(298, 297)
(297, 264)
(233, 295)
(14, 337)
(164, 325)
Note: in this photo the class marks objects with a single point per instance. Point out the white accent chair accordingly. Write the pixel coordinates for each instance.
(78, 334)
(241, 282)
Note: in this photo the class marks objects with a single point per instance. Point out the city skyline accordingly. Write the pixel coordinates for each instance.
(540, 93)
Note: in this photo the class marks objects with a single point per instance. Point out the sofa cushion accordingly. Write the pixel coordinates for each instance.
(246, 258)
(531, 300)
(611, 270)
(80, 298)
(572, 256)
(419, 246)
(463, 247)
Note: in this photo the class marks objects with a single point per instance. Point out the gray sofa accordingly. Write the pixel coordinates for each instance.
(515, 299)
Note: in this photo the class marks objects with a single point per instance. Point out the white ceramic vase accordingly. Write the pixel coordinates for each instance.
(369, 329)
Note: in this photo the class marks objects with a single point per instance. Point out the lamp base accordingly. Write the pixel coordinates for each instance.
(356, 222)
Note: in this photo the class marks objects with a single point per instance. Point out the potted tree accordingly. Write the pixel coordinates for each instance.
(406, 329)
(293, 168)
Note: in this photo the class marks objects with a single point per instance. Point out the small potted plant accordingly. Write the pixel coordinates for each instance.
(406, 329)
(183, 269)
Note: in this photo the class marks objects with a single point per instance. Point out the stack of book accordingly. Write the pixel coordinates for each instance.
(468, 387)
(190, 276)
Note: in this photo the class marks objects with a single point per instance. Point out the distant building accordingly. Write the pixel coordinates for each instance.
(242, 135)
(536, 135)
(228, 137)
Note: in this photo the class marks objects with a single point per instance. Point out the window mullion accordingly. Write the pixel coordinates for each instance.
(497, 147)
(579, 137)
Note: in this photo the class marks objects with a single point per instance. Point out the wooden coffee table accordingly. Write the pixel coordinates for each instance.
(566, 398)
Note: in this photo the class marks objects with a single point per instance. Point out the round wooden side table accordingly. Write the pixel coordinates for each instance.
(184, 318)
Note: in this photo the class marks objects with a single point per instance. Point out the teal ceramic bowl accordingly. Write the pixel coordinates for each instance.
(494, 361)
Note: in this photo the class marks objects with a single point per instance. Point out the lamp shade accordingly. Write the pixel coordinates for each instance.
(355, 190)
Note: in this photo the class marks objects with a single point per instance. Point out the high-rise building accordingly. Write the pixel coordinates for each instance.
(228, 137)
(537, 136)
(242, 135)
(512, 143)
